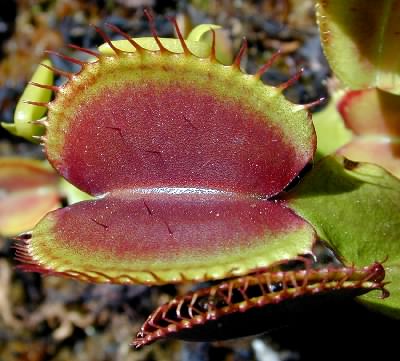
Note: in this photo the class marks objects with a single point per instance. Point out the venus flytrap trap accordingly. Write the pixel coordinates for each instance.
(209, 313)
(361, 42)
(171, 152)
(365, 58)
(188, 160)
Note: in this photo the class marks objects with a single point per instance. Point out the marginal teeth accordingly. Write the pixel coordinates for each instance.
(39, 104)
(65, 74)
(42, 121)
(84, 50)
(107, 40)
(240, 54)
(292, 80)
(135, 45)
(40, 138)
(260, 290)
(268, 64)
(66, 57)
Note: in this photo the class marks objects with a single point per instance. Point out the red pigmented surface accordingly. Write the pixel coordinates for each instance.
(371, 112)
(175, 137)
(183, 228)
(346, 102)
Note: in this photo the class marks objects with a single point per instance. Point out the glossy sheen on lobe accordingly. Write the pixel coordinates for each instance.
(175, 136)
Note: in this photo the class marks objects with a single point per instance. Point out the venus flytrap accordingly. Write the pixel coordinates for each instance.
(187, 160)
(161, 122)
(360, 41)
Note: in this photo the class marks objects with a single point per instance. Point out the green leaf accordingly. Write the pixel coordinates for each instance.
(331, 131)
(360, 39)
(73, 194)
(355, 207)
